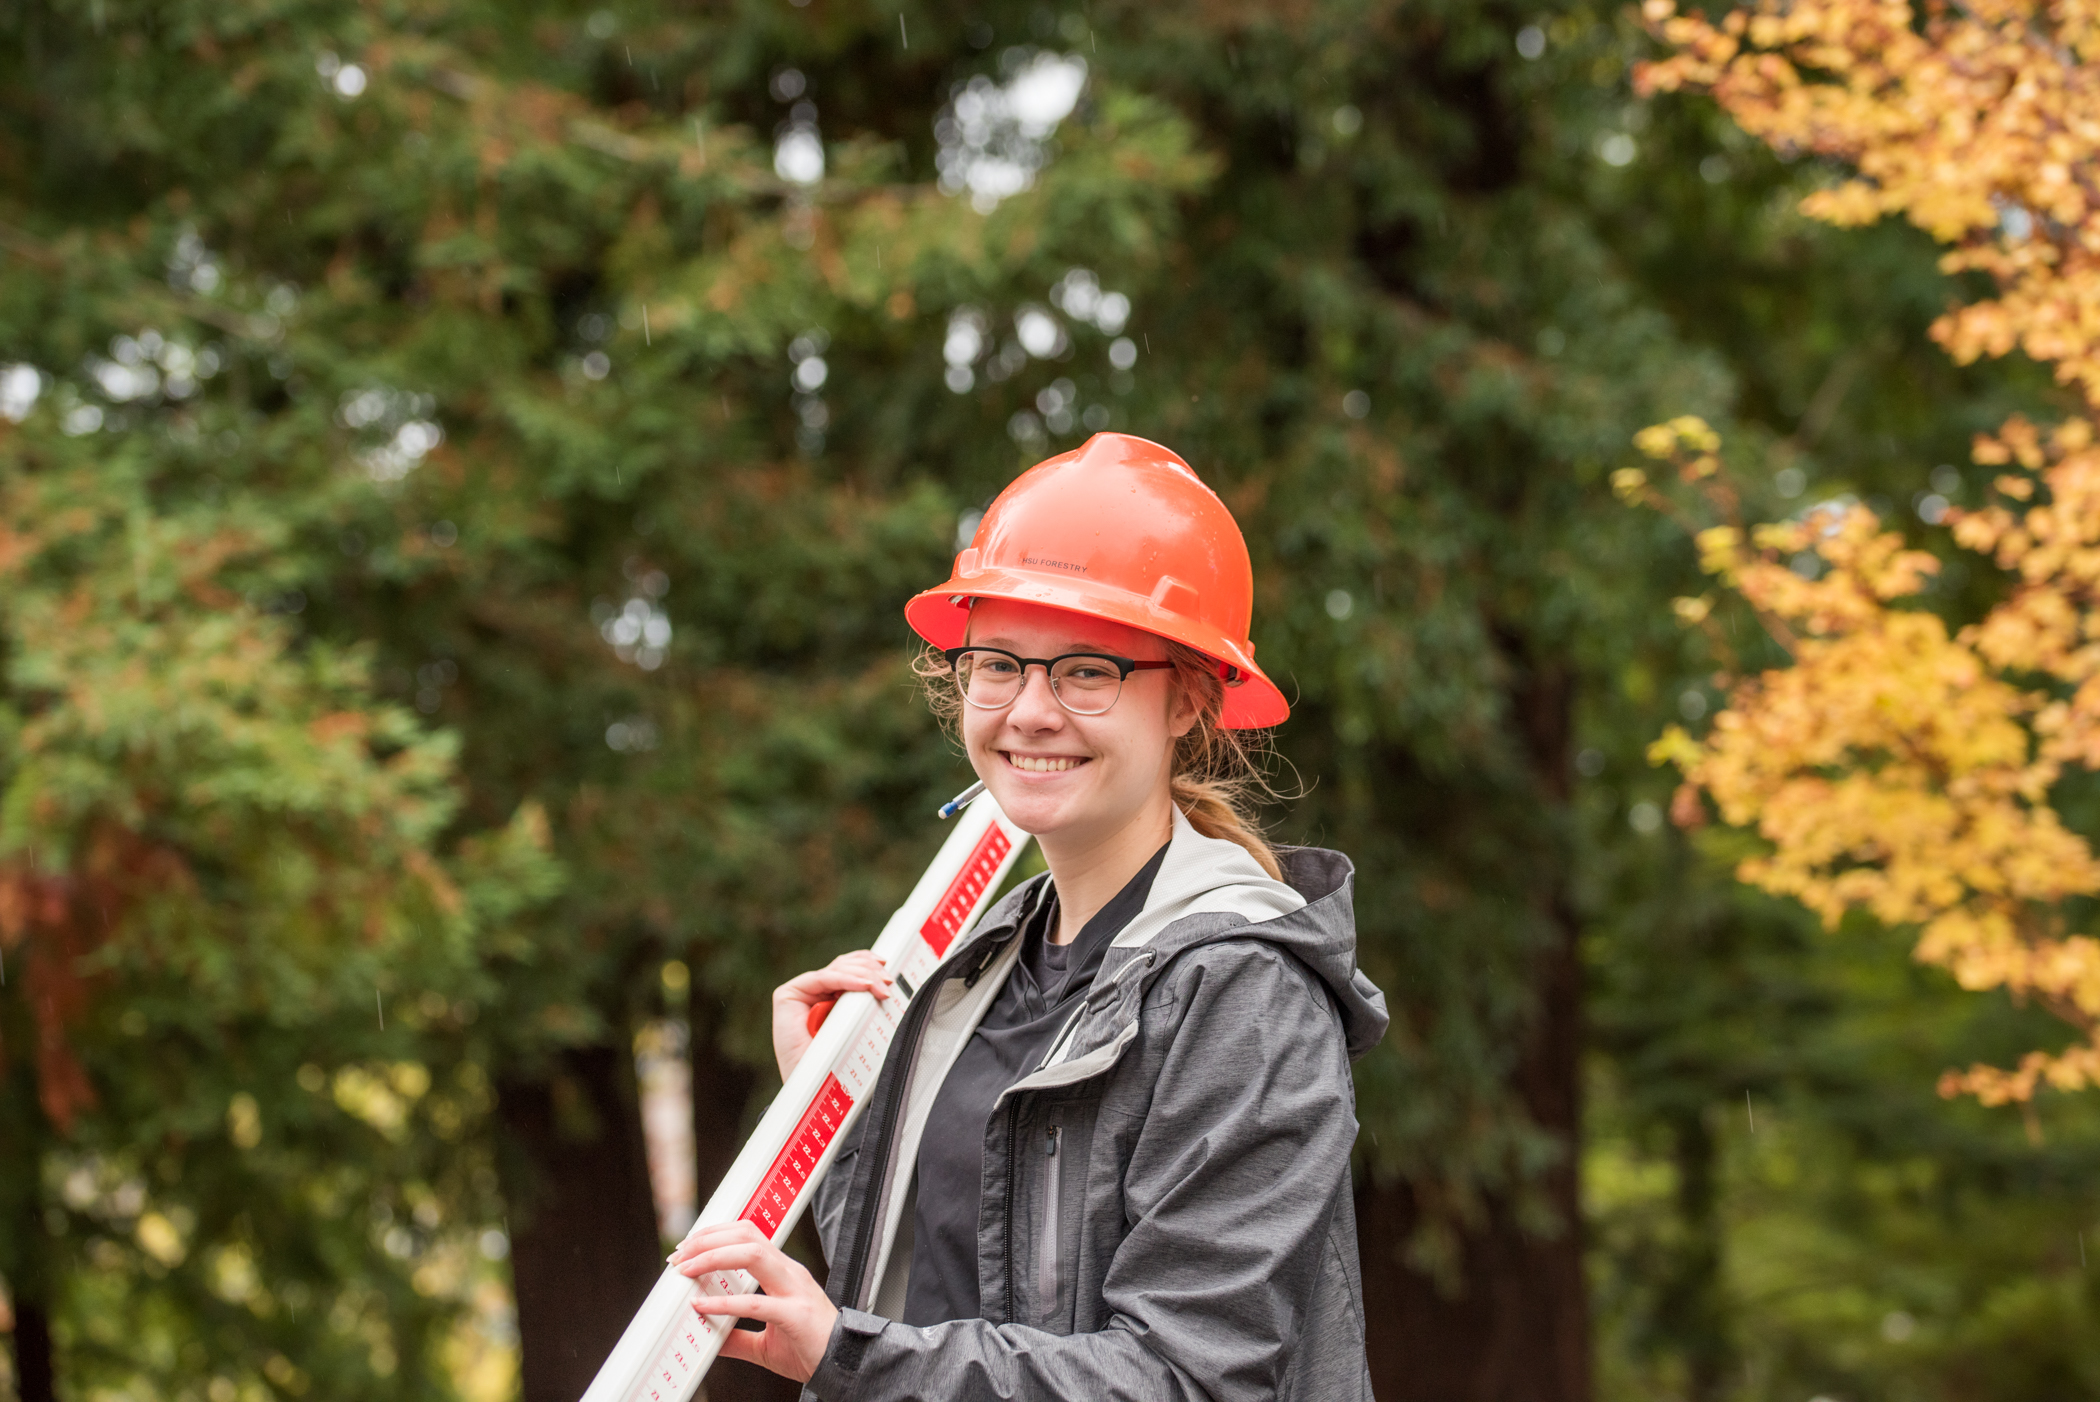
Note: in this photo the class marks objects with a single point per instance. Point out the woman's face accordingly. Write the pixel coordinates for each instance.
(1065, 777)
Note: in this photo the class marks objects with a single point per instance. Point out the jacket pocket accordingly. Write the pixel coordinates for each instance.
(1047, 1238)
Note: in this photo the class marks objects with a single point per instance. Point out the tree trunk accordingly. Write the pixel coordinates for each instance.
(1518, 1330)
(584, 1248)
(722, 1088)
(1691, 1309)
(36, 1372)
(26, 1253)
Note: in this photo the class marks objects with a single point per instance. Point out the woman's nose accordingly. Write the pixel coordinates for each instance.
(1036, 708)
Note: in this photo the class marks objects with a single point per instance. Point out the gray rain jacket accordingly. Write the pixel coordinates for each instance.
(1166, 1210)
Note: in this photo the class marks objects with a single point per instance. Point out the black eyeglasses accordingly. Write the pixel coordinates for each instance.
(1084, 683)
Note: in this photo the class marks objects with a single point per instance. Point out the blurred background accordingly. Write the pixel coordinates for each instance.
(462, 466)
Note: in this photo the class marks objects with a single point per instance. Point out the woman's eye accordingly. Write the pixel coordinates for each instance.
(1089, 672)
(995, 666)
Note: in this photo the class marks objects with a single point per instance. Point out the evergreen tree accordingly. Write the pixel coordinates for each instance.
(575, 395)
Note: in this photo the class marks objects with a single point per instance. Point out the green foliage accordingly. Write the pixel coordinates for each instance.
(1868, 1239)
(215, 860)
(317, 685)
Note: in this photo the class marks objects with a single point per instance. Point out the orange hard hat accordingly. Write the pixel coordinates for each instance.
(1123, 530)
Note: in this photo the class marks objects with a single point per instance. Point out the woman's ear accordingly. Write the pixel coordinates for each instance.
(1184, 708)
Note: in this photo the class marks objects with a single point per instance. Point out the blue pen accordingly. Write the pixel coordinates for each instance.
(955, 805)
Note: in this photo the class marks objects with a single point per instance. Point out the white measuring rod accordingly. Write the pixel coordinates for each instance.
(667, 1347)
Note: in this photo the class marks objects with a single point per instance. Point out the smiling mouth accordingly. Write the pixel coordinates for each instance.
(1041, 764)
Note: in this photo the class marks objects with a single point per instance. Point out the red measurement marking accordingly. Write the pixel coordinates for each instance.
(784, 1182)
(947, 919)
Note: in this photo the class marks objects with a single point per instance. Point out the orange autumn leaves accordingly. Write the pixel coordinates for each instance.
(1898, 768)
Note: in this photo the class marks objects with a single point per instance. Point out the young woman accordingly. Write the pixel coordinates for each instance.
(1108, 1154)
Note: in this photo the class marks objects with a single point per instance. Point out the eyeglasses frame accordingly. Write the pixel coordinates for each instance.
(1124, 667)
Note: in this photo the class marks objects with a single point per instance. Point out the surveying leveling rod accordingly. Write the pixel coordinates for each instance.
(667, 1347)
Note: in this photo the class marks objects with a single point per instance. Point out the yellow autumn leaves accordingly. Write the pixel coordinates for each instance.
(1894, 768)
(1976, 122)
(1897, 768)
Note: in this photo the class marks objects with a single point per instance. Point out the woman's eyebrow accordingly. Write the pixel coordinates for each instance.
(1009, 645)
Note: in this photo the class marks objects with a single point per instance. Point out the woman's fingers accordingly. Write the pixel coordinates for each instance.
(864, 974)
(763, 1308)
(795, 1019)
(712, 1234)
(777, 1272)
(797, 1317)
(816, 987)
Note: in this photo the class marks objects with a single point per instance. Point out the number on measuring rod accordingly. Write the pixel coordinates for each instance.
(667, 1348)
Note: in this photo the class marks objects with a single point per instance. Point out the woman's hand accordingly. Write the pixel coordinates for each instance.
(858, 972)
(797, 1316)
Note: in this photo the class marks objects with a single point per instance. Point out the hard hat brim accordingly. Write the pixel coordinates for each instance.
(942, 617)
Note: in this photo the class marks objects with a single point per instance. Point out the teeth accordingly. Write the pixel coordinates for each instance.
(1037, 764)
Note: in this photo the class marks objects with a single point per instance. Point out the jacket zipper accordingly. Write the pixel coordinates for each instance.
(1046, 1242)
(1056, 1134)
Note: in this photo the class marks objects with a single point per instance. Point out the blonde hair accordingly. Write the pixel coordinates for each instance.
(1218, 779)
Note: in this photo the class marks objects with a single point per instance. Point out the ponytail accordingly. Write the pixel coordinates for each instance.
(1217, 779)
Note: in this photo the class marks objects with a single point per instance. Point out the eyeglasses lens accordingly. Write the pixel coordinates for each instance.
(1084, 685)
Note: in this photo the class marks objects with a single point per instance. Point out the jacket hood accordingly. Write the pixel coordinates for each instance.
(1209, 889)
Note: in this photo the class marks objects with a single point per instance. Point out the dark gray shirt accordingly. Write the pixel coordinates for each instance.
(1045, 986)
